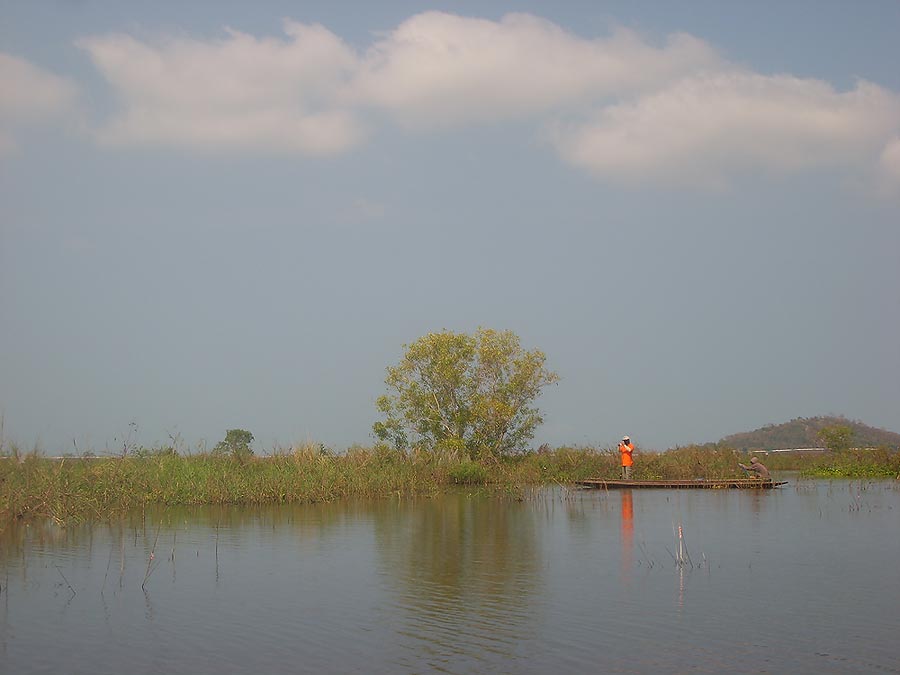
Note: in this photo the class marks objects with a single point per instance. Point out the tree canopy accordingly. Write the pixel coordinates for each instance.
(237, 442)
(836, 437)
(472, 393)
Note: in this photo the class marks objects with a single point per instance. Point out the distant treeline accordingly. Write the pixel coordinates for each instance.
(805, 432)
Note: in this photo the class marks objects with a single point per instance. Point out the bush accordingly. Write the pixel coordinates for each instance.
(237, 443)
(469, 473)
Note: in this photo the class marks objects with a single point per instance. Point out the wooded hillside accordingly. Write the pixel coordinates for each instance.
(803, 432)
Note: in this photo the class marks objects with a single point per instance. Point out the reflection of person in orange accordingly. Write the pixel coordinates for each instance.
(627, 534)
(626, 447)
(627, 517)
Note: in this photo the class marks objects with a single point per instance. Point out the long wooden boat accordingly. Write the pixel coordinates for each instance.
(688, 484)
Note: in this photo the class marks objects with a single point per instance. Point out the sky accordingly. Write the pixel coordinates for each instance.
(219, 215)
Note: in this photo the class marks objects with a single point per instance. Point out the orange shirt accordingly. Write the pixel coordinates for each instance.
(626, 450)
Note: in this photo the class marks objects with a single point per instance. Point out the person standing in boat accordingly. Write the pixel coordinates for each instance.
(626, 447)
(756, 467)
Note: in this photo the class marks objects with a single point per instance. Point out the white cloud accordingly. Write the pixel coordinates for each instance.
(304, 93)
(31, 95)
(673, 112)
(238, 91)
(440, 69)
(890, 164)
(702, 129)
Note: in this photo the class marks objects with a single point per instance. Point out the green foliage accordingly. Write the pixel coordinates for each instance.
(836, 437)
(560, 466)
(855, 463)
(148, 452)
(469, 473)
(237, 444)
(472, 394)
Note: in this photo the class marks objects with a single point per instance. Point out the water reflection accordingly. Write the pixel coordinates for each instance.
(627, 535)
(464, 583)
(462, 567)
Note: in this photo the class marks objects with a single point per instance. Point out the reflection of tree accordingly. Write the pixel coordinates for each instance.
(462, 565)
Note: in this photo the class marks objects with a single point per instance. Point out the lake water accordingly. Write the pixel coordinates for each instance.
(805, 578)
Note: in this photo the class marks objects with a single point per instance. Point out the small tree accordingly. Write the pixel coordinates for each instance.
(472, 393)
(237, 443)
(836, 437)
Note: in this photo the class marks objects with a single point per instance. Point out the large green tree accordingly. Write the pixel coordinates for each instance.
(473, 393)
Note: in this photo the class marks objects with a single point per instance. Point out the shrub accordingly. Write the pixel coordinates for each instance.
(469, 473)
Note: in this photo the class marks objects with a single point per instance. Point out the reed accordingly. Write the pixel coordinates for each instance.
(693, 461)
(77, 489)
(854, 463)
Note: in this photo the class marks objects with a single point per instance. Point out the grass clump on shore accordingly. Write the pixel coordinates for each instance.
(855, 463)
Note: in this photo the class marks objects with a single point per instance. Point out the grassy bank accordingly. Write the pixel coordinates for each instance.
(77, 489)
(855, 463)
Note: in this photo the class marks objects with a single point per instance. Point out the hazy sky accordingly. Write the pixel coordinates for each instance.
(235, 214)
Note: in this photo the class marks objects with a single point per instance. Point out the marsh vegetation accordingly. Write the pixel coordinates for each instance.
(76, 489)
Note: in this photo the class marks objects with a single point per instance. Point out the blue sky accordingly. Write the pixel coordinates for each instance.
(236, 214)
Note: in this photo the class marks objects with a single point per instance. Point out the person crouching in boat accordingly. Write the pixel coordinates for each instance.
(626, 447)
(756, 468)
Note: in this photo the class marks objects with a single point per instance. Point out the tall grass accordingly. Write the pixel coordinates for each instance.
(855, 463)
(692, 461)
(77, 489)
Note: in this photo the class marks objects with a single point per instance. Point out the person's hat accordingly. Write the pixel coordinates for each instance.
(625, 438)
(754, 459)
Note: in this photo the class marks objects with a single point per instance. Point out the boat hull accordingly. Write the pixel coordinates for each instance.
(695, 484)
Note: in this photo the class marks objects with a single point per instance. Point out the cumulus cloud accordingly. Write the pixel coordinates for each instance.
(702, 129)
(236, 91)
(890, 165)
(634, 110)
(441, 69)
(31, 95)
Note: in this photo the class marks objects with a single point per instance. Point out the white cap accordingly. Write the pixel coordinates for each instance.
(626, 438)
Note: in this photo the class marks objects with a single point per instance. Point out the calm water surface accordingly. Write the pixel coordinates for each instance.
(805, 578)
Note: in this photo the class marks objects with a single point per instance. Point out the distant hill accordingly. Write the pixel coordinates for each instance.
(803, 432)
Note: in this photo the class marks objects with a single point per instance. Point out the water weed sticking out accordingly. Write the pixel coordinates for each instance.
(59, 569)
(681, 556)
(151, 559)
